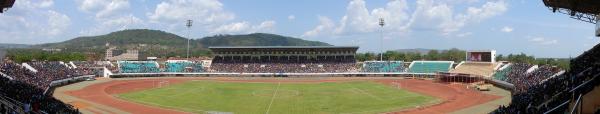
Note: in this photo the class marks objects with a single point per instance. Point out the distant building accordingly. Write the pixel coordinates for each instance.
(112, 54)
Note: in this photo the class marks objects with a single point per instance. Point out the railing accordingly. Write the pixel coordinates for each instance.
(584, 83)
(577, 105)
(6, 76)
(66, 80)
(12, 104)
(551, 111)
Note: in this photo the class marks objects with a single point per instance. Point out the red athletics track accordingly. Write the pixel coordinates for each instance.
(454, 96)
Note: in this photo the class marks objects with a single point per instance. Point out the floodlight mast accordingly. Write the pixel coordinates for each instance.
(381, 23)
(189, 25)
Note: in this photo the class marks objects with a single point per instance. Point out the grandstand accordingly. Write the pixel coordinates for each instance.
(430, 66)
(383, 66)
(284, 59)
(502, 72)
(574, 91)
(28, 87)
(138, 66)
(183, 66)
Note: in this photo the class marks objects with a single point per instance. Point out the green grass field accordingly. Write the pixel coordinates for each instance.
(358, 97)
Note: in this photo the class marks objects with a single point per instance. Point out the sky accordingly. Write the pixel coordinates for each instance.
(507, 26)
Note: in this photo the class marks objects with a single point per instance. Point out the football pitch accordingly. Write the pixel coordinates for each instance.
(356, 97)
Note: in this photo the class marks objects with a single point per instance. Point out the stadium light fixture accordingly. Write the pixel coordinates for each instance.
(189, 25)
(381, 23)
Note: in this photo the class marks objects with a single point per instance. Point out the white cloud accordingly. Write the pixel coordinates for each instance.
(506, 29)
(208, 14)
(464, 34)
(115, 24)
(291, 17)
(543, 41)
(104, 8)
(325, 26)
(201, 11)
(32, 22)
(46, 3)
(427, 15)
(109, 16)
(441, 15)
(244, 28)
(57, 23)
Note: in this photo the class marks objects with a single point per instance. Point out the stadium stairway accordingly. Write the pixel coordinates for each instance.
(475, 68)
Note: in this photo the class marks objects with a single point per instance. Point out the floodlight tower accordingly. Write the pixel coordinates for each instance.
(381, 23)
(189, 25)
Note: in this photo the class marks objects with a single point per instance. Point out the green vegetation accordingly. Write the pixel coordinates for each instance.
(457, 56)
(257, 39)
(453, 54)
(280, 98)
(163, 44)
(523, 58)
(27, 55)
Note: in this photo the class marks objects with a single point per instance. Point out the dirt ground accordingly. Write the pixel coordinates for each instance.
(453, 96)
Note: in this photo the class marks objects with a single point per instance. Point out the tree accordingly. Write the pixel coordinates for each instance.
(433, 55)
(499, 57)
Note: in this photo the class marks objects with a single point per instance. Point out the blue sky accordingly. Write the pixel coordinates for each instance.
(508, 26)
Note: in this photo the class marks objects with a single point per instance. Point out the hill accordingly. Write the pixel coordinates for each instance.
(415, 50)
(163, 44)
(257, 39)
(6, 45)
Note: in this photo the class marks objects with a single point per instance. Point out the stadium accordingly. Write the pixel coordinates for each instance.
(304, 80)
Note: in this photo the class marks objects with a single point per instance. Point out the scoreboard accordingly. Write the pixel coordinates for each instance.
(481, 56)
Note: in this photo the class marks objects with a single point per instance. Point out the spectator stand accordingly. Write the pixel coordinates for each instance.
(430, 66)
(29, 67)
(501, 73)
(27, 89)
(138, 66)
(183, 66)
(383, 66)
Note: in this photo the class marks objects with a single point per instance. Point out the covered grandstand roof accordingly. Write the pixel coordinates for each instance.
(585, 10)
(239, 47)
(282, 48)
(6, 4)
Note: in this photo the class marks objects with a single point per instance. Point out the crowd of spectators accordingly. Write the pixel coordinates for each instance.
(283, 64)
(283, 67)
(28, 88)
(522, 80)
(557, 92)
(92, 67)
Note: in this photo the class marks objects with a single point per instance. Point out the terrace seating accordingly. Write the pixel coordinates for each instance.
(138, 66)
(383, 66)
(28, 88)
(475, 68)
(430, 66)
(501, 74)
(181, 66)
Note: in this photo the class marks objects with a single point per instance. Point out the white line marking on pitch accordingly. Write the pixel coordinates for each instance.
(273, 98)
